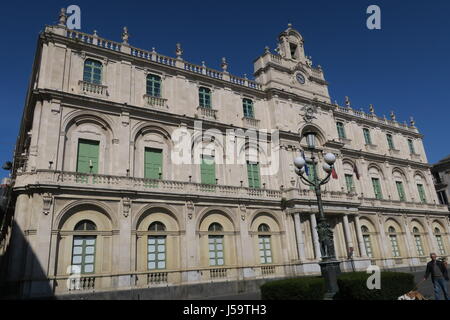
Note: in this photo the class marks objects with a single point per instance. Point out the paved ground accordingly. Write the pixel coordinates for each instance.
(425, 288)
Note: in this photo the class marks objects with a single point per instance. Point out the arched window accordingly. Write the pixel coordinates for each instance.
(157, 226)
(418, 241)
(204, 97)
(83, 251)
(440, 243)
(154, 85)
(263, 228)
(265, 247)
(215, 227)
(85, 225)
(216, 245)
(248, 108)
(156, 247)
(92, 71)
(394, 242)
(367, 241)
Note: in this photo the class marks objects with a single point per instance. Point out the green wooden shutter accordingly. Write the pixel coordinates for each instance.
(208, 170)
(367, 136)
(422, 196)
(253, 175)
(341, 130)
(377, 188)
(153, 163)
(400, 190)
(411, 146)
(87, 155)
(349, 182)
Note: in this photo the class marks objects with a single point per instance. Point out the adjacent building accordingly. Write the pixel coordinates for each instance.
(441, 175)
(98, 191)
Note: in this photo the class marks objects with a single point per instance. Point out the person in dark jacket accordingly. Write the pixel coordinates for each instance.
(439, 275)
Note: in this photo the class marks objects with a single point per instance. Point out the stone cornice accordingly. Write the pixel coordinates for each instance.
(382, 158)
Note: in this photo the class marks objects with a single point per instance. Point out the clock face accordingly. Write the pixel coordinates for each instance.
(300, 78)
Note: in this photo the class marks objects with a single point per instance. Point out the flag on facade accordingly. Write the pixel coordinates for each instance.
(334, 174)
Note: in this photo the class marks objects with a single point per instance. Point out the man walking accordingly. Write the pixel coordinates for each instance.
(439, 276)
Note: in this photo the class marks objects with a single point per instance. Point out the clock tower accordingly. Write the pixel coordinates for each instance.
(290, 70)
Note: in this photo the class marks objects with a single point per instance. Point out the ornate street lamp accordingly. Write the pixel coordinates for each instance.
(329, 265)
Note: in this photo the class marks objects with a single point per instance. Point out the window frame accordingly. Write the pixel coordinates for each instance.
(93, 65)
(153, 80)
(367, 136)
(341, 130)
(390, 141)
(248, 108)
(204, 95)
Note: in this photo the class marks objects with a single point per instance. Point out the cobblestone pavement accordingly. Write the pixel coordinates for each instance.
(425, 288)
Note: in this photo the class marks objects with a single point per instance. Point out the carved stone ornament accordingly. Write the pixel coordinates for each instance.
(48, 200)
(190, 209)
(126, 207)
(309, 113)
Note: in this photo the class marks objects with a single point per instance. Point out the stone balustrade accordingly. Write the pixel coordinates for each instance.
(92, 88)
(161, 59)
(80, 180)
(63, 284)
(207, 113)
(157, 102)
(250, 122)
(372, 117)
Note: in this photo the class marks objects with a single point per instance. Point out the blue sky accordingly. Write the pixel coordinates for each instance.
(403, 67)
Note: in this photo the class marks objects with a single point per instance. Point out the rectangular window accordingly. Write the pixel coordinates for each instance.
(419, 246)
(394, 246)
(311, 173)
(156, 246)
(400, 190)
(442, 197)
(208, 170)
(367, 137)
(411, 146)
(341, 130)
(92, 72)
(422, 196)
(83, 254)
(265, 250)
(87, 161)
(216, 256)
(390, 141)
(440, 244)
(349, 183)
(253, 175)
(154, 85)
(205, 97)
(368, 245)
(248, 108)
(153, 162)
(377, 188)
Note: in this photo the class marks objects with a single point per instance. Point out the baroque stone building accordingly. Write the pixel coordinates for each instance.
(98, 191)
(441, 175)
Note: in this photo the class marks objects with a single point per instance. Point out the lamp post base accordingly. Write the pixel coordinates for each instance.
(330, 271)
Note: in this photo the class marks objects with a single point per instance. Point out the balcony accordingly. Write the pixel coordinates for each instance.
(370, 147)
(121, 183)
(206, 113)
(394, 152)
(155, 102)
(89, 88)
(250, 122)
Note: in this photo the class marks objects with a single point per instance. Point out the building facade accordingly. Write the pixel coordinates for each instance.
(441, 175)
(98, 190)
